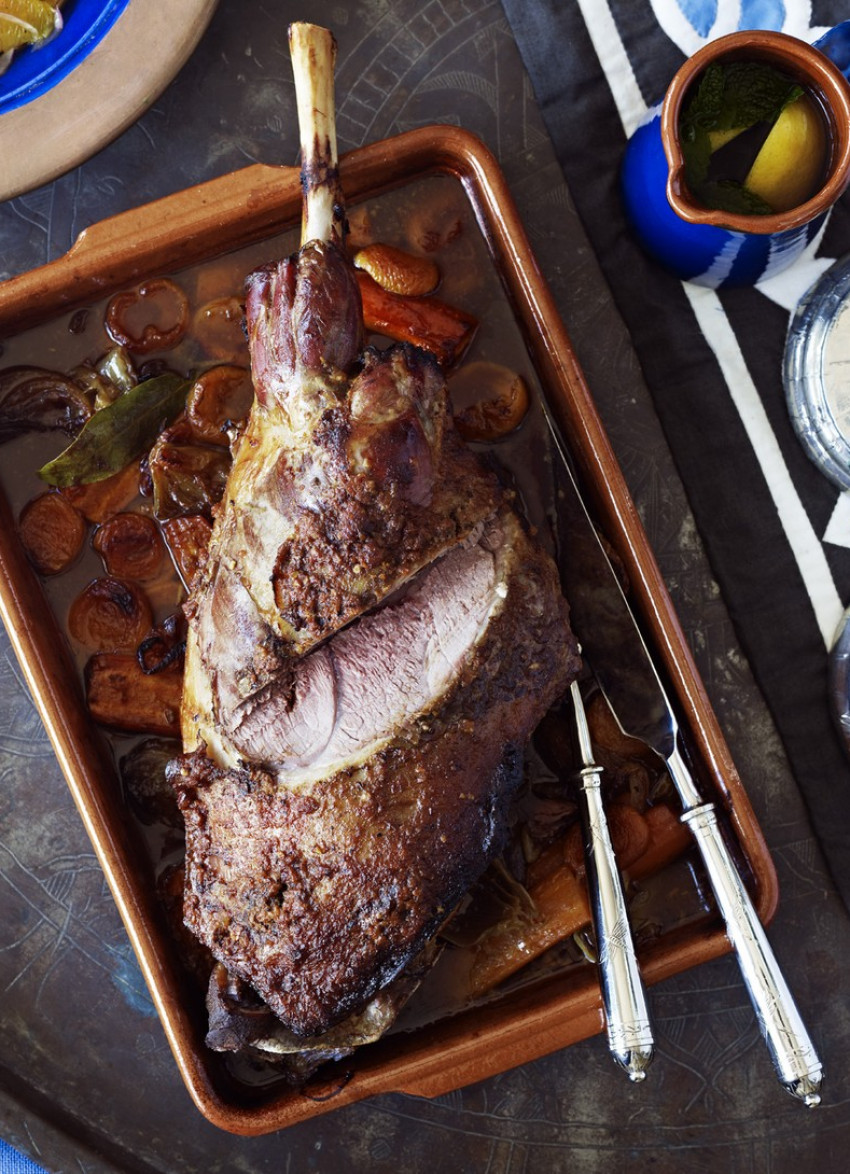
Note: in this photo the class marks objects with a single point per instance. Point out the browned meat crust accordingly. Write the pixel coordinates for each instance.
(317, 895)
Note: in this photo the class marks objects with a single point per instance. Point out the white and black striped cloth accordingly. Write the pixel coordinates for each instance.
(776, 531)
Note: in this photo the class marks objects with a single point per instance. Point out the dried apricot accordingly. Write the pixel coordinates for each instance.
(398, 271)
(491, 400)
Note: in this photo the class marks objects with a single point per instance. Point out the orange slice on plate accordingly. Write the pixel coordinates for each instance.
(26, 22)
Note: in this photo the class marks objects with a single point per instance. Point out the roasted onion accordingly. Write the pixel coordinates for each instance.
(131, 546)
(110, 615)
(52, 532)
(217, 326)
(152, 317)
(150, 794)
(33, 399)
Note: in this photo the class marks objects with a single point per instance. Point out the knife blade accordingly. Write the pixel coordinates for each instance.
(627, 1023)
(609, 634)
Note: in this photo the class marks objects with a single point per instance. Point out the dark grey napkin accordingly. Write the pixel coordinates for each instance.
(737, 518)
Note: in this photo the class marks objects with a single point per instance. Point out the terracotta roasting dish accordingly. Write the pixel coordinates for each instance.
(246, 213)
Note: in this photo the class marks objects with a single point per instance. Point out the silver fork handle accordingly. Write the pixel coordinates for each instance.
(623, 996)
(792, 1051)
(630, 1038)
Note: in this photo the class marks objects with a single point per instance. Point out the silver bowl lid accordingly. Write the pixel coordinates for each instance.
(816, 372)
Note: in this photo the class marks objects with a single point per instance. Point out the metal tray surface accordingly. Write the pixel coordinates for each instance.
(205, 222)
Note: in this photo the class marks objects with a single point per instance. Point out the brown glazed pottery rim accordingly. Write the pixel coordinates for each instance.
(201, 223)
(805, 64)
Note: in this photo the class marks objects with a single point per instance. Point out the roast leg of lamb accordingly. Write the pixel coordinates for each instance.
(373, 639)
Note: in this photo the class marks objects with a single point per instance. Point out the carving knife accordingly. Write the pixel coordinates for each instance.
(630, 1039)
(609, 634)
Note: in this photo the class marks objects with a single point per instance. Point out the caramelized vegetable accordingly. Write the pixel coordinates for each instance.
(426, 322)
(187, 539)
(186, 478)
(110, 615)
(218, 328)
(121, 696)
(219, 399)
(630, 838)
(150, 794)
(560, 902)
(490, 400)
(119, 433)
(561, 909)
(165, 645)
(35, 400)
(112, 375)
(131, 547)
(668, 839)
(436, 221)
(397, 271)
(52, 532)
(151, 317)
(100, 500)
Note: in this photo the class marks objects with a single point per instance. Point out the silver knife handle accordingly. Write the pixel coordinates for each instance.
(791, 1049)
(629, 1030)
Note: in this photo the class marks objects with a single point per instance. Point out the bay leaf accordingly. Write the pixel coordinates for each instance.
(119, 433)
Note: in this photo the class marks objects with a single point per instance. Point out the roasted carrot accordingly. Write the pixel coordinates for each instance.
(630, 837)
(561, 909)
(426, 322)
(560, 900)
(668, 839)
(121, 696)
(52, 532)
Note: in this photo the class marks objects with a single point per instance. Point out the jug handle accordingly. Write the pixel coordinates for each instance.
(835, 44)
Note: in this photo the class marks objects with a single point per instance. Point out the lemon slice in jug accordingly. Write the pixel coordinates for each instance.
(26, 22)
(787, 169)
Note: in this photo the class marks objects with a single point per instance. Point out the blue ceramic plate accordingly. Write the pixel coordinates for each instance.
(34, 71)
